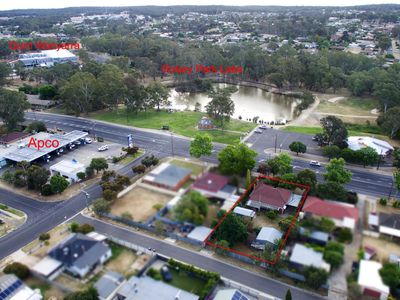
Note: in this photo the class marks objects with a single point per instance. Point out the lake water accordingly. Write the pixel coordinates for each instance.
(249, 102)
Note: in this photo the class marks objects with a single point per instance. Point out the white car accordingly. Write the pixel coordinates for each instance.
(88, 140)
(258, 131)
(103, 148)
(315, 163)
(263, 127)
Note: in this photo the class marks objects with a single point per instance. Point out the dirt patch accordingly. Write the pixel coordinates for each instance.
(383, 245)
(262, 221)
(69, 282)
(139, 203)
(48, 291)
(123, 263)
(211, 215)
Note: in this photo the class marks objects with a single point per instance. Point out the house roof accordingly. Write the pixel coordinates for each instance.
(47, 266)
(308, 257)
(269, 234)
(315, 234)
(199, 233)
(329, 209)
(167, 174)
(12, 136)
(79, 250)
(210, 182)
(391, 221)
(270, 195)
(230, 294)
(244, 212)
(368, 276)
(108, 283)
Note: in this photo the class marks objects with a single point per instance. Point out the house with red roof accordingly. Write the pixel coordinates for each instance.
(343, 214)
(265, 196)
(213, 185)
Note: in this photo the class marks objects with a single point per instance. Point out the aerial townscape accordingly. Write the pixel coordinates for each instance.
(199, 152)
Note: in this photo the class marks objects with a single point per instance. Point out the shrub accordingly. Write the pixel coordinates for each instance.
(139, 169)
(44, 236)
(131, 151)
(345, 235)
(383, 201)
(107, 175)
(89, 171)
(74, 227)
(396, 204)
(109, 195)
(18, 269)
(272, 214)
(101, 206)
(149, 161)
(8, 176)
(81, 175)
(46, 190)
(58, 184)
(315, 277)
(158, 206)
(122, 180)
(85, 228)
(155, 274)
(127, 216)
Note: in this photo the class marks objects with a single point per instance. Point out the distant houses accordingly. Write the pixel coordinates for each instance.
(303, 256)
(389, 224)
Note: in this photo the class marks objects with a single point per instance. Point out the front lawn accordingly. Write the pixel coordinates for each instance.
(184, 281)
(184, 123)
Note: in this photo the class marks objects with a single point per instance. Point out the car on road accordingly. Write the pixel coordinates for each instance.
(166, 274)
(103, 148)
(315, 163)
(258, 131)
(263, 127)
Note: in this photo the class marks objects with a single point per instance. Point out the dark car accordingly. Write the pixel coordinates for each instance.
(165, 127)
(166, 274)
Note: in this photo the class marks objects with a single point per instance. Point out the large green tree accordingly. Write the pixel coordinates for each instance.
(232, 229)
(193, 207)
(221, 106)
(281, 164)
(390, 274)
(37, 177)
(390, 122)
(307, 177)
(336, 172)
(201, 145)
(111, 85)
(298, 147)
(368, 156)
(98, 164)
(58, 184)
(12, 107)
(236, 159)
(158, 94)
(334, 131)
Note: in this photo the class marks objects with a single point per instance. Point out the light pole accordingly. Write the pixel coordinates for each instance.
(379, 160)
(276, 138)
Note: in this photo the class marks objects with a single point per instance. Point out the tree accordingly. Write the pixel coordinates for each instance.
(390, 274)
(79, 93)
(101, 206)
(288, 295)
(12, 107)
(248, 179)
(36, 126)
(232, 229)
(334, 131)
(201, 145)
(139, 169)
(58, 184)
(88, 294)
(315, 278)
(236, 159)
(5, 70)
(81, 175)
(47, 92)
(368, 156)
(20, 178)
(390, 121)
(298, 147)
(344, 235)
(326, 225)
(335, 171)
(307, 177)
(158, 94)
(396, 158)
(331, 190)
(331, 151)
(193, 207)
(44, 236)
(280, 164)
(221, 106)
(98, 164)
(37, 177)
(221, 251)
(111, 82)
(18, 269)
(335, 259)
(384, 42)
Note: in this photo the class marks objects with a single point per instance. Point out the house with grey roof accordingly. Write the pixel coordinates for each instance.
(80, 254)
(146, 288)
(267, 235)
(303, 256)
(108, 285)
(389, 224)
(314, 236)
(168, 176)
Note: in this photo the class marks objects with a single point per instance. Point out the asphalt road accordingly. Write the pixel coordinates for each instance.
(253, 280)
(162, 144)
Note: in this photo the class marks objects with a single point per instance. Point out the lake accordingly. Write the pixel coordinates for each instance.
(249, 102)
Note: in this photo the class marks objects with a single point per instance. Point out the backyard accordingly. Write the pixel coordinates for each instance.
(184, 281)
(145, 199)
(183, 123)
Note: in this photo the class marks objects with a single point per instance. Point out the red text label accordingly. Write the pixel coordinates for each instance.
(39, 144)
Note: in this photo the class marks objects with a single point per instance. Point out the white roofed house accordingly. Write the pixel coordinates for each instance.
(370, 280)
(383, 148)
(68, 169)
(266, 236)
(303, 256)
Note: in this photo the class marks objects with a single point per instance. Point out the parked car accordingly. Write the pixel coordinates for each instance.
(88, 140)
(315, 163)
(166, 274)
(258, 131)
(263, 127)
(103, 148)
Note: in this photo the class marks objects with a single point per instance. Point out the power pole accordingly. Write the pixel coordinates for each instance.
(276, 137)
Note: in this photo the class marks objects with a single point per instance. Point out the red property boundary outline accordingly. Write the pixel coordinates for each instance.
(277, 256)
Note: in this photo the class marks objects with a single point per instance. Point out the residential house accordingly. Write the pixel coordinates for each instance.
(267, 236)
(12, 288)
(213, 185)
(80, 254)
(168, 176)
(146, 288)
(199, 233)
(344, 215)
(303, 256)
(265, 196)
(370, 280)
(108, 285)
(389, 224)
(314, 236)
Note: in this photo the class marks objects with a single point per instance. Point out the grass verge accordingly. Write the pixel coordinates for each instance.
(130, 158)
(12, 210)
(183, 123)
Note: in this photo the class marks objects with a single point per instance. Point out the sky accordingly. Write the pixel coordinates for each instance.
(26, 4)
